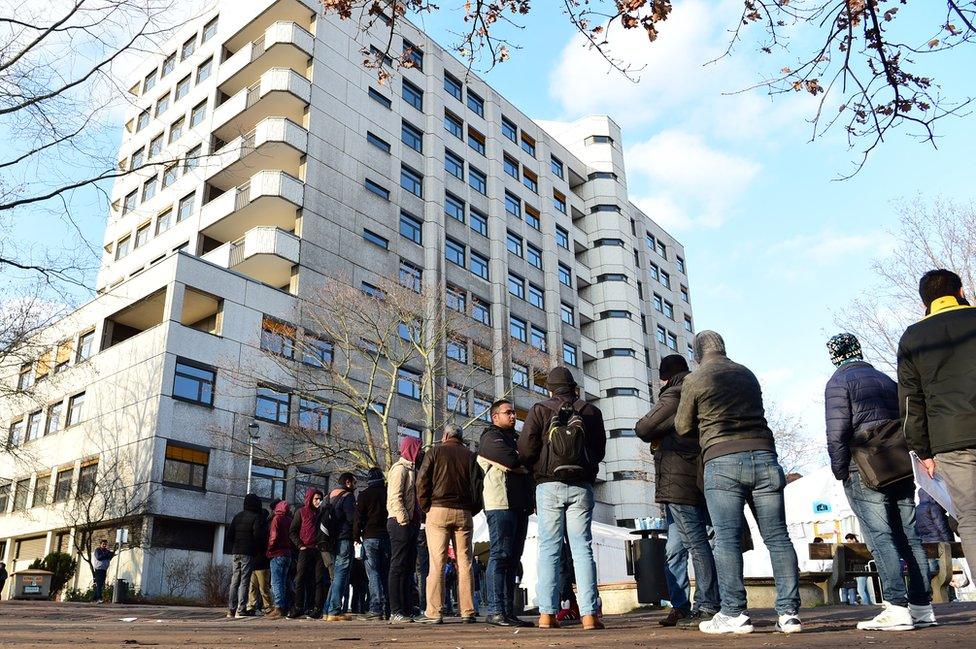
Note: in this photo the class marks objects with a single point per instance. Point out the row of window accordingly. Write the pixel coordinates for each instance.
(61, 415)
(282, 339)
(656, 245)
(170, 98)
(169, 63)
(164, 220)
(56, 359)
(18, 491)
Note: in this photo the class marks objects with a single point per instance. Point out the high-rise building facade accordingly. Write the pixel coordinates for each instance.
(265, 159)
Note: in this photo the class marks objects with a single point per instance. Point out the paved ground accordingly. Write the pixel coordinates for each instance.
(48, 624)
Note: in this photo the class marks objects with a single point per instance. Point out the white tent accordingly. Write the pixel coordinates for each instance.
(609, 551)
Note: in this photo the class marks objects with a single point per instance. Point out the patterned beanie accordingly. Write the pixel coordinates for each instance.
(708, 341)
(844, 348)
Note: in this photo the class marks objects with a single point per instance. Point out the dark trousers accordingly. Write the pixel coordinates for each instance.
(309, 569)
(99, 585)
(506, 531)
(403, 558)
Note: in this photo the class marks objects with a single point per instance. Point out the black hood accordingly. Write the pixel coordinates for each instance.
(252, 503)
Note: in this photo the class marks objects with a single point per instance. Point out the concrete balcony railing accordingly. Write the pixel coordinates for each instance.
(275, 143)
(579, 240)
(268, 198)
(591, 386)
(588, 348)
(279, 92)
(302, 12)
(266, 254)
(282, 45)
(587, 312)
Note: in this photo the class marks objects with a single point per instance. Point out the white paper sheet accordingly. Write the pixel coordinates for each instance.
(935, 486)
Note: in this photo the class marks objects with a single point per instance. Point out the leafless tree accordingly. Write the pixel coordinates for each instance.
(797, 450)
(180, 573)
(940, 233)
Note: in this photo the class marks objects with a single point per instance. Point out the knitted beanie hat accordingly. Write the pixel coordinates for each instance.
(708, 341)
(844, 348)
(671, 365)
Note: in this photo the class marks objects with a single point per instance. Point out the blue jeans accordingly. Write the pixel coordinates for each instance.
(690, 522)
(888, 523)
(731, 481)
(561, 507)
(376, 555)
(676, 568)
(848, 596)
(279, 581)
(99, 590)
(240, 582)
(864, 591)
(506, 532)
(340, 576)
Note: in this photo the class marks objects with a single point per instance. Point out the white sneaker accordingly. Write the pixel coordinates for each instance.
(922, 616)
(789, 623)
(721, 623)
(891, 618)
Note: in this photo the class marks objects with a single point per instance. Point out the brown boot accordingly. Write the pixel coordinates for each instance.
(592, 623)
(274, 613)
(547, 621)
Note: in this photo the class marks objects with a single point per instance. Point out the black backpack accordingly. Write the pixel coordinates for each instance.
(330, 523)
(565, 445)
(881, 455)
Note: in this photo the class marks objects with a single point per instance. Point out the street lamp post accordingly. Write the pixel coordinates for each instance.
(253, 435)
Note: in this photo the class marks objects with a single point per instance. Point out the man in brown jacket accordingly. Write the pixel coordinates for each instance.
(444, 493)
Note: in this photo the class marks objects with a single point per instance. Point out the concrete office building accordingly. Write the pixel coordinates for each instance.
(293, 164)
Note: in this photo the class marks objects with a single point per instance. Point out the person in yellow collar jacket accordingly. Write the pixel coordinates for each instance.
(937, 394)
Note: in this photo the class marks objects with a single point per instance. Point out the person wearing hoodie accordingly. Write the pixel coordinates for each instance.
(676, 487)
(402, 526)
(279, 553)
(309, 568)
(722, 405)
(370, 531)
(246, 537)
(342, 501)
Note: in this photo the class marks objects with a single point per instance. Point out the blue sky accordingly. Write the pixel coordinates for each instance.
(775, 246)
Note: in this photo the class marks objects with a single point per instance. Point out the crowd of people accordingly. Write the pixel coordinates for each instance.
(714, 455)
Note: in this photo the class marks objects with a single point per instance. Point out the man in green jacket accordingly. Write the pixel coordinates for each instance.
(937, 394)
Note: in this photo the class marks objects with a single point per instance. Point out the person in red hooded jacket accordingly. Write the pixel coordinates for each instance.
(304, 535)
(279, 551)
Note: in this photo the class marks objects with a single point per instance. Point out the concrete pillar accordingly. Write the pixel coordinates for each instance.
(218, 546)
(48, 542)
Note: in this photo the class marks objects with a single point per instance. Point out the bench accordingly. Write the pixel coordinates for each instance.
(844, 554)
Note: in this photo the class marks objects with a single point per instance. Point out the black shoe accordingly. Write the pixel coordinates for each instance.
(373, 616)
(246, 613)
(497, 619)
(468, 619)
(293, 614)
(675, 616)
(516, 621)
(317, 615)
(694, 618)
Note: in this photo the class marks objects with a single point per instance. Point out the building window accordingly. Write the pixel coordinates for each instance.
(25, 377)
(129, 202)
(688, 326)
(658, 303)
(684, 295)
(662, 249)
(413, 95)
(623, 392)
(380, 56)
(188, 48)
(198, 113)
(536, 297)
(86, 343)
(209, 30)
(566, 314)
(452, 86)
(272, 405)
(661, 334)
(278, 337)
(680, 263)
(377, 189)
(314, 415)
(412, 136)
(169, 175)
(511, 167)
(62, 485)
(481, 312)
(520, 375)
(532, 218)
(476, 141)
(149, 82)
(15, 437)
(509, 130)
(149, 189)
(516, 286)
(483, 408)
(75, 413)
(619, 351)
(453, 125)
(557, 167)
(513, 243)
(86, 479)
(654, 271)
(569, 354)
(176, 130)
(562, 238)
(479, 222)
(513, 205)
(33, 426)
(453, 165)
(411, 228)
(203, 71)
(479, 265)
(457, 350)
(185, 466)
(665, 279)
(599, 139)
(457, 400)
(375, 239)
(155, 146)
(518, 329)
(53, 422)
(162, 105)
(192, 159)
(41, 485)
(530, 180)
(372, 291)
(528, 145)
(455, 299)
(454, 207)
(669, 310)
(408, 384)
(614, 313)
(194, 382)
(411, 276)
(185, 208)
(411, 181)
(268, 482)
(142, 121)
(454, 252)
(317, 352)
(476, 104)
(605, 207)
(414, 55)
(380, 98)
(137, 158)
(559, 202)
(21, 487)
(565, 275)
(478, 180)
(672, 342)
(378, 142)
(537, 338)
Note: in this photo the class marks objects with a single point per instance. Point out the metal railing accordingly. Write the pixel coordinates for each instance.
(236, 252)
(243, 196)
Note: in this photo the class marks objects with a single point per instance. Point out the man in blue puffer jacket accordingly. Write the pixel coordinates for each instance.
(859, 397)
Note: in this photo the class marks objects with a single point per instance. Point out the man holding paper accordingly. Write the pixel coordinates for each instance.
(937, 394)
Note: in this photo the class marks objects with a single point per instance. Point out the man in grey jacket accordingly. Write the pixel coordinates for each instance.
(722, 404)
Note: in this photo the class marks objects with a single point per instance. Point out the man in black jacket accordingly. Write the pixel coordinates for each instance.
(859, 398)
(562, 505)
(676, 479)
(246, 536)
(508, 503)
(342, 503)
(370, 530)
(937, 394)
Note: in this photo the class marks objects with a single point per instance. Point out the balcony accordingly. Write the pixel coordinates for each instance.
(579, 240)
(269, 198)
(282, 45)
(266, 254)
(302, 12)
(279, 92)
(275, 143)
(588, 348)
(591, 386)
(587, 312)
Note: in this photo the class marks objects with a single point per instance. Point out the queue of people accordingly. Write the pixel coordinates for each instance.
(714, 456)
